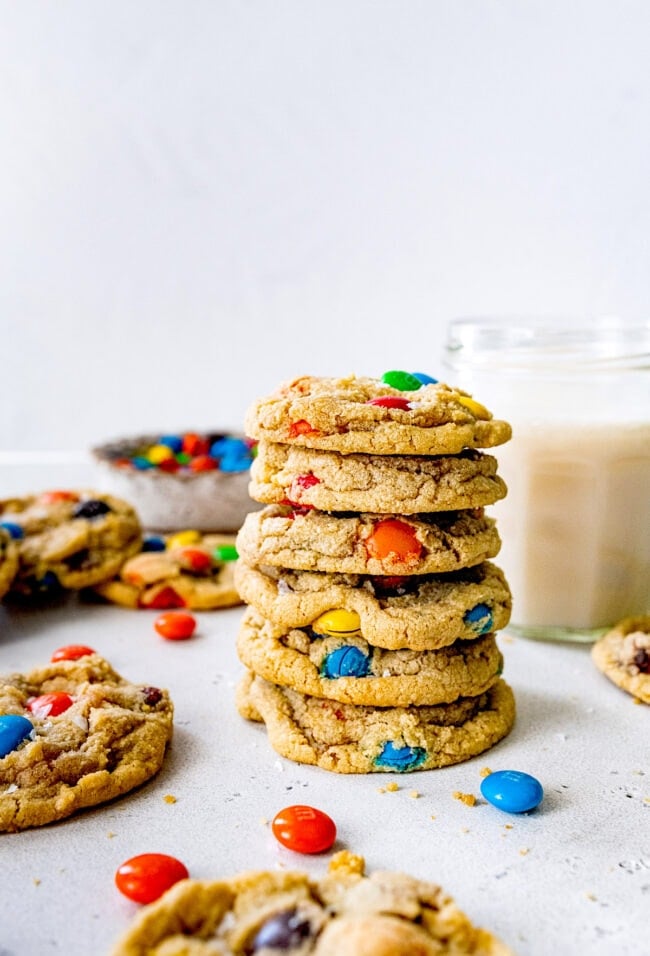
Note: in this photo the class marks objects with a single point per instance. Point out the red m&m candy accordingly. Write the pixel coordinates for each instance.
(304, 829)
(52, 497)
(391, 401)
(71, 652)
(49, 705)
(175, 625)
(146, 877)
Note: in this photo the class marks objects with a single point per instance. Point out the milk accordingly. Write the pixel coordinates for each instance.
(575, 524)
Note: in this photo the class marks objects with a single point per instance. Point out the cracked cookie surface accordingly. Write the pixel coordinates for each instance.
(69, 539)
(346, 668)
(410, 484)
(310, 540)
(342, 414)
(193, 575)
(423, 612)
(343, 913)
(623, 655)
(354, 738)
(94, 736)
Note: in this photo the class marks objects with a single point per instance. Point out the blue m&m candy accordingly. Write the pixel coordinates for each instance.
(153, 542)
(400, 758)
(512, 791)
(15, 530)
(425, 379)
(479, 618)
(13, 730)
(347, 661)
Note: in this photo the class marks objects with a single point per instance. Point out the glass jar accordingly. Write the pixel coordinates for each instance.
(575, 524)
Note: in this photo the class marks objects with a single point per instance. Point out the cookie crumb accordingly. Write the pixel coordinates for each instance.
(485, 772)
(508, 826)
(414, 793)
(36, 881)
(347, 862)
(524, 851)
(169, 798)
(263, 821)
(433, 816)
(110, 834)
(465, 830)
(381, 789)
(591, 896)
(467, 798)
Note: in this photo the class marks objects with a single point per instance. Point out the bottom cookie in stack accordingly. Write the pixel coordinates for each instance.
(356, 738)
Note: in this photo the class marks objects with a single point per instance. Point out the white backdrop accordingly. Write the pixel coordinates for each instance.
(201, 198)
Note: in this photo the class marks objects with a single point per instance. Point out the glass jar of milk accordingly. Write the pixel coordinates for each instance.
(575, 524)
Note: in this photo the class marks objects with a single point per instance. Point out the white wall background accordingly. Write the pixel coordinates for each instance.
(200, 198)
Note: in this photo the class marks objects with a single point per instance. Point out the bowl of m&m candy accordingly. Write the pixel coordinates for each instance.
(185, 479)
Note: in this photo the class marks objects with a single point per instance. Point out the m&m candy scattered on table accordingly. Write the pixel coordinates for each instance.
(512, 791)
(188, 453)
(175, 625)
(304, 829)
(146, 877)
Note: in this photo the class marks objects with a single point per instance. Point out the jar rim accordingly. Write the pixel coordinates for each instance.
(597, 342)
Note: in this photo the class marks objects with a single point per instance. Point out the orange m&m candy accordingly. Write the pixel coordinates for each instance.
(394, 540)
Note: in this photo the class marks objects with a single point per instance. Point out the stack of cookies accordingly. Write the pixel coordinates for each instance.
(369, 637)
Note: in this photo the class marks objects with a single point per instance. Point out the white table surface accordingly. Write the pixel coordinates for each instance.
(572, 877)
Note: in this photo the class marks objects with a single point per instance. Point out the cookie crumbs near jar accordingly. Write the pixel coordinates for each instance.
(169, 798)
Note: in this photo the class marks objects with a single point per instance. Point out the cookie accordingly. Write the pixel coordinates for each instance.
(365, 543)
(69, 539)
(321, 662)
(409, 484)
(91, 736)
(343, 913)
(367, 415)
(352, 738)
(423, 612)
(8, 560)
(623, 655)
(193, 570)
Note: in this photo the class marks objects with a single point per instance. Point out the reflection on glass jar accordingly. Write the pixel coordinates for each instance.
(575, 524)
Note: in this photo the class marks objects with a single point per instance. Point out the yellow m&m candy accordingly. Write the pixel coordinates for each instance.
(337, 621)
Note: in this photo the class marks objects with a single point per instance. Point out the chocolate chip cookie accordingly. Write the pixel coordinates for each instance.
(8, 560)
(191, 570)
(69, 539)
(74, 734)
(372, 416)
(324, 660)
(405, 484)
(623, 655)
(310, 540)
(343, 913)
(423, 612)
(352, 738)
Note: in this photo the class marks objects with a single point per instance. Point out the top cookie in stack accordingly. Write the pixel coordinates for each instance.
(368, 574)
